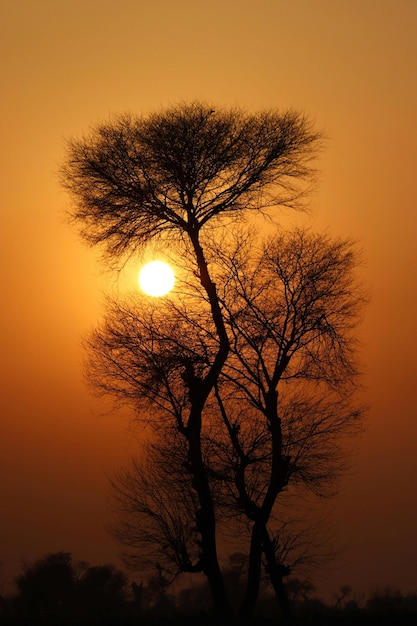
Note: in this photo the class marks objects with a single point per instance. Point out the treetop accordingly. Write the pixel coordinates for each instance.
(134, 178)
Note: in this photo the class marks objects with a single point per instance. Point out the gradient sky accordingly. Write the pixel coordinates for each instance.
(351, 65)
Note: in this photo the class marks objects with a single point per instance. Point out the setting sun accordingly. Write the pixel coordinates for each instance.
(156, 278)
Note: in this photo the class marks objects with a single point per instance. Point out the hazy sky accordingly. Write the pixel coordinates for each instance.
(351, 65)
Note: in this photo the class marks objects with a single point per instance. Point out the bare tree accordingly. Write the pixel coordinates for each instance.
(168, 176)
(280, 411)
(291, 313)
(156, 509)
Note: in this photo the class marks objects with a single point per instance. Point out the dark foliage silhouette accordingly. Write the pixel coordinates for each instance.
(54, 590)
(135, 178)
(278, 418)
(47, 586)
(101, 592)
(291, 314)
(169, 176)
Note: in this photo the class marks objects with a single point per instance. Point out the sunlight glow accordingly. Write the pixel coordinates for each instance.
(156, 278)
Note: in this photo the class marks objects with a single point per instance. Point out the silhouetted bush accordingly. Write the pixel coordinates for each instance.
(50, 592)
(392, 601)
(101, 592)
(46, 588)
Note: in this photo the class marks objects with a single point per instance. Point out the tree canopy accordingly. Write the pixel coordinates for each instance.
(134, 178)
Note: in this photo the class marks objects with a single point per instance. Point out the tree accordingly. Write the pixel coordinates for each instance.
(293, 360)
(50, 590)
(101, 591)
(46, 588)
(299, 438)
(280, 411)
(169, 177)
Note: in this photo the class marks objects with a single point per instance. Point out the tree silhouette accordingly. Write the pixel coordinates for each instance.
(156, 509)
(280, 411)
(46, 588)
(174, 171)
(293, 361)
(50, 590)
(101, 592)
(169, 177)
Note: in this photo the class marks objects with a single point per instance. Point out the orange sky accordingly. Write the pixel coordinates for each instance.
(349, 64)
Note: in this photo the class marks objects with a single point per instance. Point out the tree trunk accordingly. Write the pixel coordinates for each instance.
(199, 390)
(276, 573)
(206, 520)
(254, 576)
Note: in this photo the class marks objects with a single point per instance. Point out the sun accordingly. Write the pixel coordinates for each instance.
(156, 278)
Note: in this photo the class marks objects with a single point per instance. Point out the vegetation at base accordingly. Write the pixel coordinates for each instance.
(55, 591)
